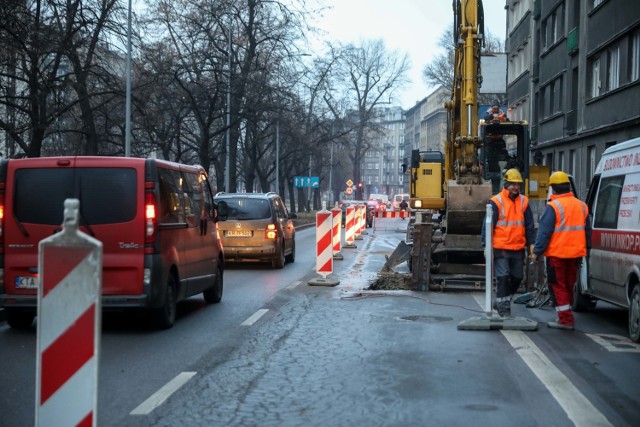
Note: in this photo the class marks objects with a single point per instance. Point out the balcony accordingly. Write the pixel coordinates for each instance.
(573, 40)
(535, 70)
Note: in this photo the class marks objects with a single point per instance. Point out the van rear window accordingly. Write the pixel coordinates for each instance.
(107, 195)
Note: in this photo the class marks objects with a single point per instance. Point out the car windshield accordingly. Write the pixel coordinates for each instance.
(247, 208)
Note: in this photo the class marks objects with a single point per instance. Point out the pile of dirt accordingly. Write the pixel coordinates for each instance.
(391, 282)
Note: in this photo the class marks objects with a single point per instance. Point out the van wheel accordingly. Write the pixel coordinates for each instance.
(278, 262)
(634, 314)
(580, 301)
(292, 256)
(164, 317)
(19, 319)
(213, 295)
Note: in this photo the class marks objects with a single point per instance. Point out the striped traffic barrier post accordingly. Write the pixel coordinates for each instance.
(358, 220)
(363, 231)
(350, 228)
(68, 337)
(324, 249)
(337, 226)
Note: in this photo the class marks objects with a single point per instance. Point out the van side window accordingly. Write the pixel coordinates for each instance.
(280, 208)
(193, 198)
(171, 198)
(608, 202)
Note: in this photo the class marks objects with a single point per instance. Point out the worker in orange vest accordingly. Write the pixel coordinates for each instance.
(564, 234)
(513, 231)
(495, 113)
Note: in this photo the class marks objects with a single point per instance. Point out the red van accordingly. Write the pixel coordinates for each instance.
(155, 219)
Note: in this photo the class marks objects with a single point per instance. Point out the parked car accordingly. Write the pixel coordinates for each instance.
(257, 227)
(155, 219)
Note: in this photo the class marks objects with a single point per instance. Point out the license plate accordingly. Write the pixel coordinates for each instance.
(27, 282)
(238, 233)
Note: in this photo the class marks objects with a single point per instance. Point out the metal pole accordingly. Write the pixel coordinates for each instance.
(331, 171)
(127, 108)
(309, 184)
(227, 165)
(278, 156)
(488, 255)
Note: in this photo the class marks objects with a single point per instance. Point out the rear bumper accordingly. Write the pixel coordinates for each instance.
(232, 253)
(29, 302)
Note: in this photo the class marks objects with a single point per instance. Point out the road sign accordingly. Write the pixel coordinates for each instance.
(306, 181)
(348, 190)
(349, 183)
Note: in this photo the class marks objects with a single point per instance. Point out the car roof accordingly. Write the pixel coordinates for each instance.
(246, 195)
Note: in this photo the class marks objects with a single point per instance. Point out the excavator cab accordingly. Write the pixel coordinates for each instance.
(504, 146)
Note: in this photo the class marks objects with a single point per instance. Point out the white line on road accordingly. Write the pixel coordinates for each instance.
(577, 407)
(163, 394)
(254, 318)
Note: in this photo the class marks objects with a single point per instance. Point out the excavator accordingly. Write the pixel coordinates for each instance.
(450, 190)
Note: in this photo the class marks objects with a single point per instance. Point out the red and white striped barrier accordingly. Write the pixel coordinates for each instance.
(350, 228)
(337, 226)
(324, 249)
(392, 214)
(358, 220)
(70, 266)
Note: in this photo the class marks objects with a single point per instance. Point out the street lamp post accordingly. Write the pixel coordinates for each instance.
(127, 107)
(278, 157)
(227, 165)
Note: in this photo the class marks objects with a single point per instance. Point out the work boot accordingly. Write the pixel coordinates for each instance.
(558, 325)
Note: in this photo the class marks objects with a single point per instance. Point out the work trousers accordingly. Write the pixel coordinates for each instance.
(561, 278)
(509, 269)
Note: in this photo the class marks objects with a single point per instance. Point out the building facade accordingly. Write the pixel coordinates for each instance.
(381, 165)
(574, 73)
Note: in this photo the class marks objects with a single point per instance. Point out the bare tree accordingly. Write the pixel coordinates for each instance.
(370, 75)
(440, 71)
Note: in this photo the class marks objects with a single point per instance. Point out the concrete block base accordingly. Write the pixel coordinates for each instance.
(323, 281)
(486, 323)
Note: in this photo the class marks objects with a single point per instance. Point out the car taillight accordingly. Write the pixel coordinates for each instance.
(150, 218)
(1, 223)
(271, 232)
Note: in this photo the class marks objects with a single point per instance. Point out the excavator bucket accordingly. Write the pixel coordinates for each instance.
(401, 253)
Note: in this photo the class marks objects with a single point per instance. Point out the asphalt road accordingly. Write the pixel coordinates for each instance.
(278, 352)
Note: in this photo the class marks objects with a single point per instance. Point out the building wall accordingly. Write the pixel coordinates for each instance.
(584, 78)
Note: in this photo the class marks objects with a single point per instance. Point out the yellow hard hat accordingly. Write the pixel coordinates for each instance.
(513, 175)
(559, 177)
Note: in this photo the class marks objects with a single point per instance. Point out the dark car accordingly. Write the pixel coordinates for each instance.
(370, 213)
(258, 227)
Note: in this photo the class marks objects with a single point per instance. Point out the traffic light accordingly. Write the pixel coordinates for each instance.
(359, 185)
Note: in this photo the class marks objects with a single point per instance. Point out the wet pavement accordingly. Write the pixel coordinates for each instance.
(346, 356)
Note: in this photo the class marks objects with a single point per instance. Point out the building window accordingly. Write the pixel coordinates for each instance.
(613, 70)
(572, 162)
(553, 27)
(561, 161)
(634, 56)
(597, 3)
(596, 84)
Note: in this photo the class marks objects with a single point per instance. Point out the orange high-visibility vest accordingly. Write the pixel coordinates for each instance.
(509, 232)
(569, 238)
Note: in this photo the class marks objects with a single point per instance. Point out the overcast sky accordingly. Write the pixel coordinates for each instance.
(409, 26)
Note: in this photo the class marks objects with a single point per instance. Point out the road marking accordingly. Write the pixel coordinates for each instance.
(577, 407)
(163, 394)
(254, 318)
(615, 343)
(294, 284)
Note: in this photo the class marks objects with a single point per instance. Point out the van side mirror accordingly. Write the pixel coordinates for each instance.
(221, 211)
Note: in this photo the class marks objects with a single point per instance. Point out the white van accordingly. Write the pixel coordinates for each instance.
(612, 270)
(398, 198)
